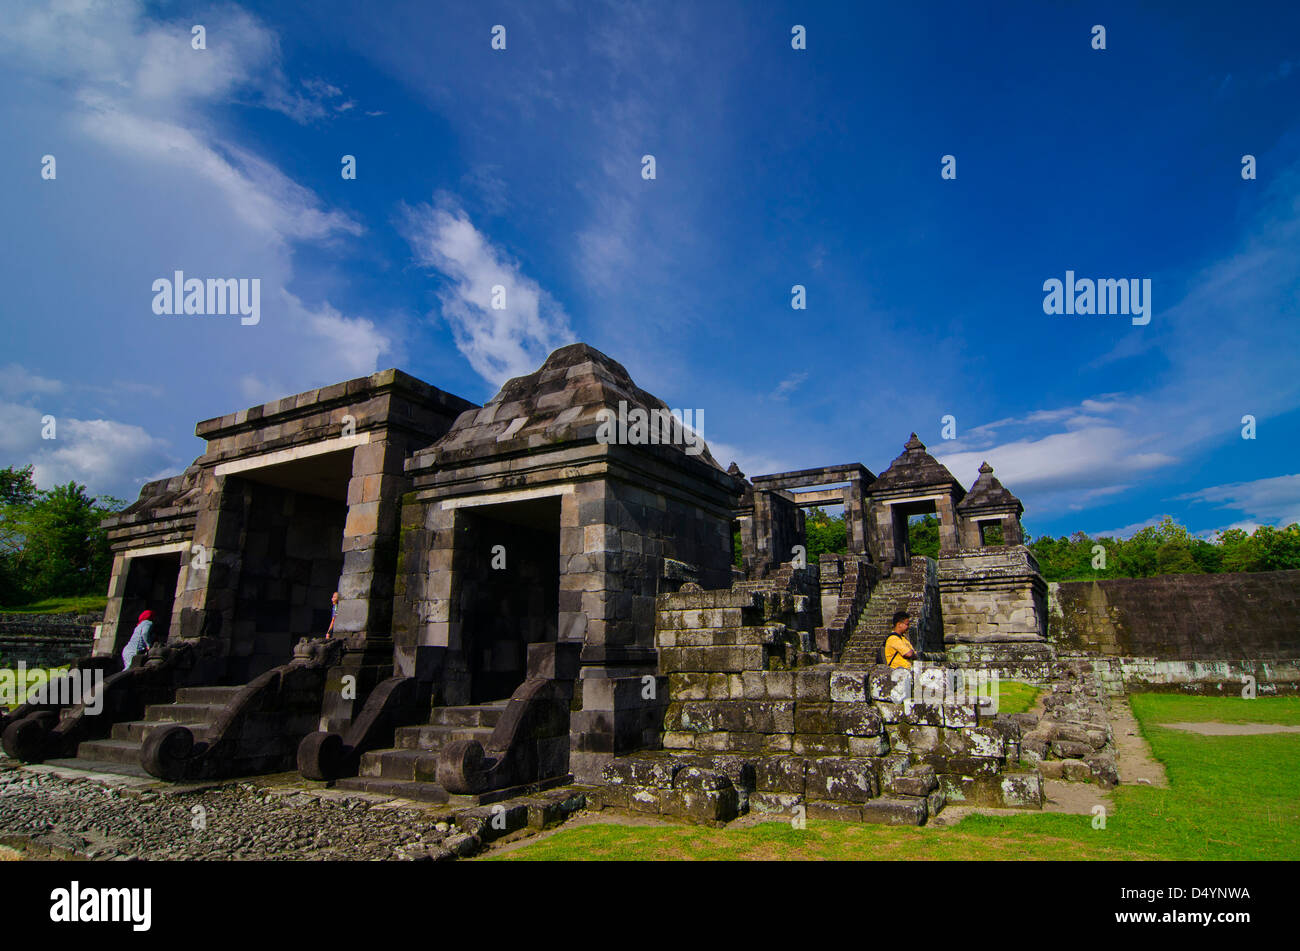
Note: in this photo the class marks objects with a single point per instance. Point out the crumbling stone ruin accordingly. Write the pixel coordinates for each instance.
(527, 605)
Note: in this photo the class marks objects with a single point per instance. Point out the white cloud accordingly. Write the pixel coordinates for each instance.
(104, 454)
(139, 88)
(1093, 459)
(789, 385)
(501, 343)
(354, 344)
(17, 381)
(1272, 501)
(257, 192)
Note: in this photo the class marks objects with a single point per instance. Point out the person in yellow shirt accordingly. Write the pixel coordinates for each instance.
(898, 649)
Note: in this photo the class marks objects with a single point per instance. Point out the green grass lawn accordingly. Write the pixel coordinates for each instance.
(1229, 797)
(1016, 697)
(81, 604)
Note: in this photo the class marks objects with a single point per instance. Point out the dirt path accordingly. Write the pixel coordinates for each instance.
(1212, 728)
(1132, 754)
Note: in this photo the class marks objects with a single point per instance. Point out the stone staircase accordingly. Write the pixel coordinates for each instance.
(195, 707)
(409, 770)
(891, 594)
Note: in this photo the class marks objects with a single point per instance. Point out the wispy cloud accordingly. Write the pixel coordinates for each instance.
(1271, 501)
(789, 385)
(498, 342)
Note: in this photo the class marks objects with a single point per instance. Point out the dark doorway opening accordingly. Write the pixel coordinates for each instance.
(904, 513)
(292, 559)
(508, 560)
(150, 585)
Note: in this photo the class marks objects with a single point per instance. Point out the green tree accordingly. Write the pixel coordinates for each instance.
(824, 533)
(16, 486)
(54, 546)
(923, 535)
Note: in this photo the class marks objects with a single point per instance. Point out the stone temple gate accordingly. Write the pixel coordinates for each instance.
(525, 603)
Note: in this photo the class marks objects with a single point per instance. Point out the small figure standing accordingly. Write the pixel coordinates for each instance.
(898, 649)
(334, 613)
(141, 638)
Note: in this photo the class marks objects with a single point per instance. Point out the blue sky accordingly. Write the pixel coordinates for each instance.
(775, 167)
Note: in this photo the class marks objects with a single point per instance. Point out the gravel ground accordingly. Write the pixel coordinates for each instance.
(240, 820)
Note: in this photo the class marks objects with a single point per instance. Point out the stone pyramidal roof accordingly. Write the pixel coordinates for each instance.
(989, 494)
(915, 468)
(555, 405)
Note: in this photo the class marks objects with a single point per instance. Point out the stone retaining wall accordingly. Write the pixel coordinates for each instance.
(1186, 632)
(45, 640)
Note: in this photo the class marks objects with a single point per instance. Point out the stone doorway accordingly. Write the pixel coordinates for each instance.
(291, 558)
(150, 585)
(903, 513)
(508, 560)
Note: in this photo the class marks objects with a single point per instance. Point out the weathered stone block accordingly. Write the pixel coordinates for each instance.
(856, 719)
(890, 684)
(868, 745)
(849, 686)
(833, 811)
(917, 781)
(1067, 749)
(894, 812)
(960, 714)
(823, 743)
(1076, 771)
(813, 683)
(1022, 790)
(841, 779)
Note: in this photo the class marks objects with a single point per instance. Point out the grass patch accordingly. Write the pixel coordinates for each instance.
(80, 604)
(1016, 697)
(1229, 798)
(1180, 708)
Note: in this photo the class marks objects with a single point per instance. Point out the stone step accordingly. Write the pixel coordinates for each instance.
(206, 695)
(110, 751)
(486, 714)
(99, 766)
(135, 731)
(734, 597)
(433, 737)
(411, 765)
(183, 712)
(401, 789)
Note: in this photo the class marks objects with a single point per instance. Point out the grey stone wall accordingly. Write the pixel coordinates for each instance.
(1246, 616)
(45, 640)
(992, 594)
(1192, 633)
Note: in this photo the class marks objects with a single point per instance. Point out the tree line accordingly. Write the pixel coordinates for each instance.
(1163, 549)
(51, 541)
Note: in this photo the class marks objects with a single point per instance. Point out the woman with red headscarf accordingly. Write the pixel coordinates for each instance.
(140, 638)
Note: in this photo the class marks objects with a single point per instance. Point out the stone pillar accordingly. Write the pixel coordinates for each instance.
(970, 533)
(947, 512)
(1012, 533)
(106, 643)
(855, 517)
(370, 540)
(610, 564)
(888, 554)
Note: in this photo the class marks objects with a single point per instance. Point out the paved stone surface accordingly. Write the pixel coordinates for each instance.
(120, 817)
